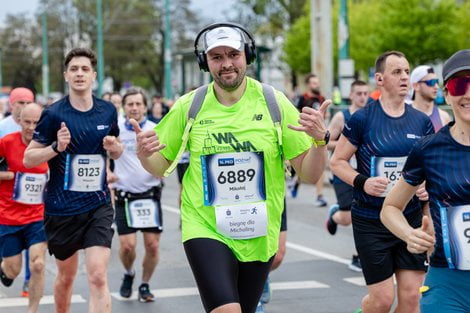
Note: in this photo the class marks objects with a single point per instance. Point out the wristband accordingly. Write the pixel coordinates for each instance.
(324, 142)
(54, 147)
(360, 181)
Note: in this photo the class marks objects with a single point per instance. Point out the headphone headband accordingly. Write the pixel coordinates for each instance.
(250, 48)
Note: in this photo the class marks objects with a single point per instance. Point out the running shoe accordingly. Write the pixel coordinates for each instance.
(355, 264)
(330, 224)
(25, 291)
(126, 286)
(321, 202)
(294, 189)
(259, 307)
(144, 294)
(5, 280)
(266, 295)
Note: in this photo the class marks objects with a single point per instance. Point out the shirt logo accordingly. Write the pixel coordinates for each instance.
(102, 127)
(466, 216)
(257, 117)
(412, 136)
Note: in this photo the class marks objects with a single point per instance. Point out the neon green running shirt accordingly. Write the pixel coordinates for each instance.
(244, 126)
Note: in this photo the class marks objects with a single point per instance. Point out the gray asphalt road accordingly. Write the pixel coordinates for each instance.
(313, 277)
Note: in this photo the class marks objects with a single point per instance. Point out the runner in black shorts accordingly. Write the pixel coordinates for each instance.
(137, 195)
(381, 135)
(76, 135)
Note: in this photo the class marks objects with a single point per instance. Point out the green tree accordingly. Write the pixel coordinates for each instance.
(20, 60)
(297, 46)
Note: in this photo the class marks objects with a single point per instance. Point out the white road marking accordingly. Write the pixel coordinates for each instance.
(21, 301)
(181, 292)
(358, 280)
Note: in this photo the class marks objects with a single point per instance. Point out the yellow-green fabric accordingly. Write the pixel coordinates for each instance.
(244, 126)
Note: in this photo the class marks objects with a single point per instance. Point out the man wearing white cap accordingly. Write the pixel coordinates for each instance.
(233, 190)
(424, 84)
(18, 98)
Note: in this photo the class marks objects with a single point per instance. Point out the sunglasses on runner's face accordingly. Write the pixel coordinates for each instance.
(458, 86)
(430, 82)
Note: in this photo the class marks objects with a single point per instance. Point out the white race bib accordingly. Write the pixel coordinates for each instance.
(84, 172)
(230, 178)
(234, 183)
(29, 188)
(242, 221)
(388, 167)
(455, 223)
(142, 213)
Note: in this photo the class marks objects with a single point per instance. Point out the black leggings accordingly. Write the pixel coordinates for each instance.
(221, 278)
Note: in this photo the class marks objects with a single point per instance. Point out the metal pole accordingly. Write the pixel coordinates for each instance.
(321, 44)
(45, 57)
(343, 31)
(99, 44)
(167, 53)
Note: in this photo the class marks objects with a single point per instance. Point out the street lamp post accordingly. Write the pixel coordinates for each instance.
(45, 59)
(99, 44)
(167, 52)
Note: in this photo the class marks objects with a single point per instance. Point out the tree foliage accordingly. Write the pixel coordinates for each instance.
(425, 30)
(132, 34)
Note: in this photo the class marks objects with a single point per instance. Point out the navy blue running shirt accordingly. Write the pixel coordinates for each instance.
(87, 131)
(375, 134)
(445, 166)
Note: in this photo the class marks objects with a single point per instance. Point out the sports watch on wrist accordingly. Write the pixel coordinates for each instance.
(54, 147)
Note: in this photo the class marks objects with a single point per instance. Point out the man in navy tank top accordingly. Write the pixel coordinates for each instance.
(76, 135)
(381, 136)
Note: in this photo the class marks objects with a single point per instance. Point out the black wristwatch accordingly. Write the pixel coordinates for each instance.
(54, 147)
(327, 137)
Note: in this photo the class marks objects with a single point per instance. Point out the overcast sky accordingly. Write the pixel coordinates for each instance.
(217, 7)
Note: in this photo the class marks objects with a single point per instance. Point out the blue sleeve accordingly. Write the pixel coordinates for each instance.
(354, 129)
(46, 130)
(413, 171)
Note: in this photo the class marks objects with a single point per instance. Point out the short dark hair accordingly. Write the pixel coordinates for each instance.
(307, 78)
(381, 59)
(134, 91)
(358, 83)
(80, 52)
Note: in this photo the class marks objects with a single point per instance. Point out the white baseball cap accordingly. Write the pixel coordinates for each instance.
(223, 36)
(417, 74)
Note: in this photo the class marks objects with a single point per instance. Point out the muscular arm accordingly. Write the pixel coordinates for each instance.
(36, 154)
(156, 164)
(418, 239)
(311, 164)
(339, 162)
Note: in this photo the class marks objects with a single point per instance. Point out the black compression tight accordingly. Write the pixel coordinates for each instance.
(221, 278)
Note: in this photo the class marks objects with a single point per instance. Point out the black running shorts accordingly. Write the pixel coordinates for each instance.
(344, 195)
(382, 253)
(68, 234)
(221, 278)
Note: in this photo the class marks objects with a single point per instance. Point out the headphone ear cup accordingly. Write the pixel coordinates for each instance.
(250, 53)
(202, 62)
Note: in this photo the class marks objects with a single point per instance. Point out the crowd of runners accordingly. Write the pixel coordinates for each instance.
(401, 174)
